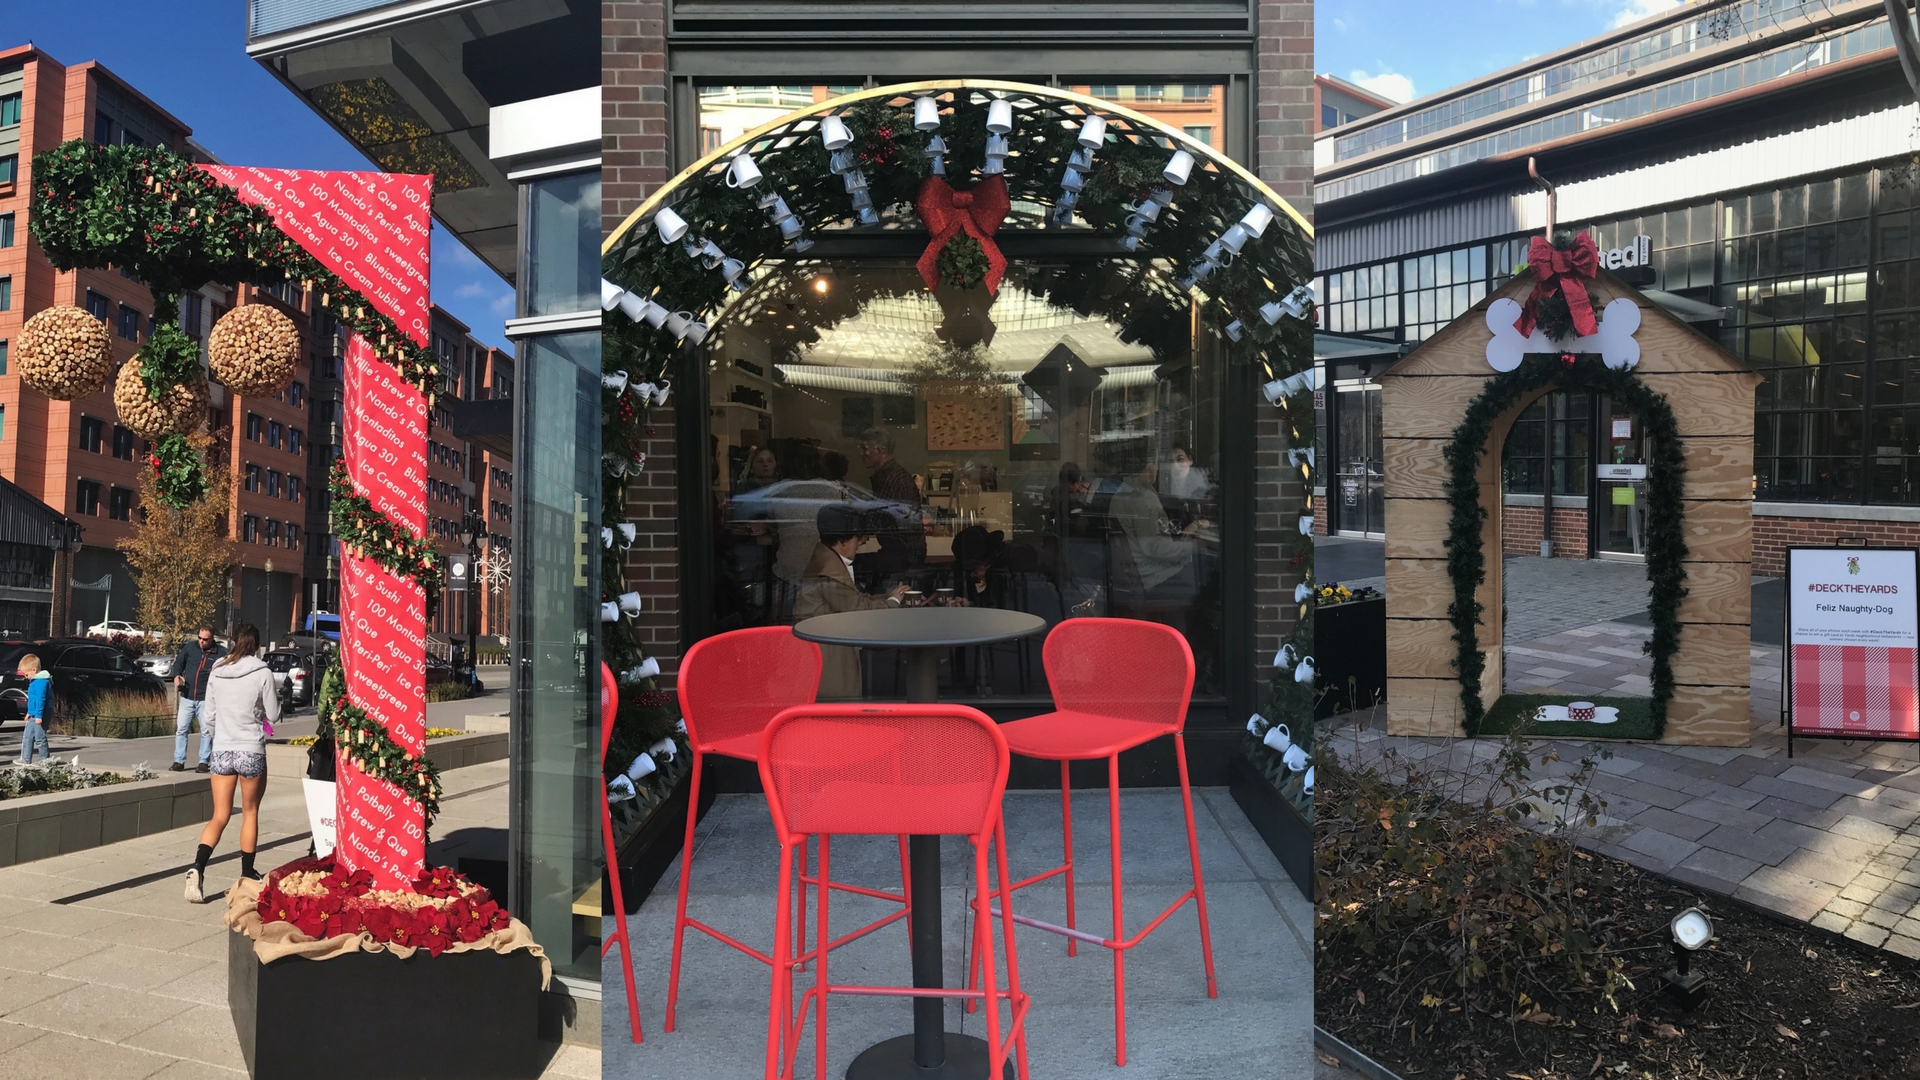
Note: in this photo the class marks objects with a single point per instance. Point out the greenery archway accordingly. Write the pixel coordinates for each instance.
(1666, 546)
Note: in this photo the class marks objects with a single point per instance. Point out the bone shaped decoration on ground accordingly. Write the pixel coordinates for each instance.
(1615, 343)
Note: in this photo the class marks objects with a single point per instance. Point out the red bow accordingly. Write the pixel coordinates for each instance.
(1560, 272)
(947, 212)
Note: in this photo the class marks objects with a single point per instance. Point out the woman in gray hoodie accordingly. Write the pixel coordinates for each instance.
(241, 706)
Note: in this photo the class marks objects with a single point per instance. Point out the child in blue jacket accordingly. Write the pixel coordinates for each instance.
(39, 683)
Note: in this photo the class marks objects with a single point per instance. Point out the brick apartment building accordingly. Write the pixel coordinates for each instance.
(75, 457)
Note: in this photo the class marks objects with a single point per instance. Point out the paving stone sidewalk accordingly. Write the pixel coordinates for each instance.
(106, 971)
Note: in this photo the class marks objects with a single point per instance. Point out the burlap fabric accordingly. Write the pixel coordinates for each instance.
(271, 941)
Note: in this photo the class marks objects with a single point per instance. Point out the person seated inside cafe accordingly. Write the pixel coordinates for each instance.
(827, 587)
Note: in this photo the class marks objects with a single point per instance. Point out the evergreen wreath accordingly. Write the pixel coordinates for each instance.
(363, 530)
(1666, 543)
(362, 740)
(962, 262)
(179, 478)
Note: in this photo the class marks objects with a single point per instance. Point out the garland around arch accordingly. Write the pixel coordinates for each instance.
(1665, 541)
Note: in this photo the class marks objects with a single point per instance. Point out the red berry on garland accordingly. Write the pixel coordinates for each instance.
(1567, 358)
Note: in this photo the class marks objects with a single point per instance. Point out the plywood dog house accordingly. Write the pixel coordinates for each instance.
(1425, 397)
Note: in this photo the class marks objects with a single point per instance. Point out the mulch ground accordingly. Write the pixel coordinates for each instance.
(1785, 1000)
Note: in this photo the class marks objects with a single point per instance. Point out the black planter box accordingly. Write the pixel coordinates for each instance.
(374, 1016)
(1350, 651)
(650, 850)
(1289, 835)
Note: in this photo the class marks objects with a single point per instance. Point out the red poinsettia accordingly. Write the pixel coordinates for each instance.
(435, 935)
(276, 906)
(319, 917)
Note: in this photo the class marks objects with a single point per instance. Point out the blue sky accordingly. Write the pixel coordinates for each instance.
(190, 58)
(1404, 49)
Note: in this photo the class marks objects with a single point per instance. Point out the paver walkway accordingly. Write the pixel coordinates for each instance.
(105, 971)
(1260, 1025)
(1830, 836)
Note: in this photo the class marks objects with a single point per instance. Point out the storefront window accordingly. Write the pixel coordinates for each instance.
(556, 752)
(1009, 452)
(563, 261)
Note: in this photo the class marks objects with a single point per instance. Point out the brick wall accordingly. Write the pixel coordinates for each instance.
(1772, 536)
(636, 161)
(1283, 96)
(1520, 531)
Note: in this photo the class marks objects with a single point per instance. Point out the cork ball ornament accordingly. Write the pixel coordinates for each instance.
(64, 353)
(180, 409)
(254, 350)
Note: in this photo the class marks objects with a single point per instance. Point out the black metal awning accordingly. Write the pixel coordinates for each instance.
(26, 520)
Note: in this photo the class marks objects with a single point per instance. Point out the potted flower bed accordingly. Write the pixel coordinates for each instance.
(1350, 644)
(329, 978)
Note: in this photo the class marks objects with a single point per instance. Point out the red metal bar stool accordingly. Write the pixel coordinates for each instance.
(731, 685)
(1117, 684)
(609, 707)
(875, 770)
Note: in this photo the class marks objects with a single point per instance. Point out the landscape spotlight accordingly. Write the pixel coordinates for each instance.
(1691, 929)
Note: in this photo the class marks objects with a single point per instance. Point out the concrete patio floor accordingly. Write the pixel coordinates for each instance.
(1260, 1025)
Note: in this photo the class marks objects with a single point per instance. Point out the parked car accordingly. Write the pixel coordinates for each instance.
(438, 670)
(798, 502)
(113, 627)
(293, 674)
(81, 668)
(158, 665)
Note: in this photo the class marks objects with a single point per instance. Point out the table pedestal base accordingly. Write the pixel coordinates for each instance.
(893, 1060)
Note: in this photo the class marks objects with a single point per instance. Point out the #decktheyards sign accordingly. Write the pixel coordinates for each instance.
(372, 230)
(1853, 643)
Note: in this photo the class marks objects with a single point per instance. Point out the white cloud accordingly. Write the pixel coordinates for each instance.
(1340, 25)
(1632, 11)
(1394, 87)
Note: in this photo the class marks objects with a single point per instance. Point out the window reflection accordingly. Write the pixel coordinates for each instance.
(872, 440)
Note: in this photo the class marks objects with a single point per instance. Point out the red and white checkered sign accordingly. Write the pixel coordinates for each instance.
(372, 229)
(1854, 636)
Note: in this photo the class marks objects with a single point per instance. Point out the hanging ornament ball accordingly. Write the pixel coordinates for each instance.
(254, 350)
(182, 408)
(64, 353)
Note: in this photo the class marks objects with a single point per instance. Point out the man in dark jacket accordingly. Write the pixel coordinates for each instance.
(903, 547)
(191, 669)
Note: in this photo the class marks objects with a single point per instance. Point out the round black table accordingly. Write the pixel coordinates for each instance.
(931, 1052)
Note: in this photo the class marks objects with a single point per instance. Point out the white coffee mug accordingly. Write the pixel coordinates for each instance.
(1000, 116)
(863, 199)
(869, 216)
(1067, 200)
(937, 165)
(1137, 225)
(655, 315)
(1071, 180)
(1093, 132)
(1179, 167)
(834, 134)
(643, 391)
(1295, 757)
(1275, 392)
(678, 322)
(997, 146)
(993, 166)
(926, 114)
(1256, 219)
(711, 254)
(1148, 210)
(610, 294)
(1306, 524)
(742, 172)
(767, 199)
(609, 612)
(697, 330)
(855, 180)
(800, 245)
(616, 382)
(633, 307)
(731, 268)
(642, 766)
(1235, 330)
(1081, 158)
(1278, 737)
(779, 211)
(790, 228)
(1302, 593)
(606, 538)
(630, 603)
(1254, 722)
(1306, 782)
(669, 225)
(1131, 243)
(1217, 255)
(1201, 270)
(1163, 196)
(1235, 238)
(1285, 657)
(646, 669)
(1304, 673)
(628, 531)
(936, 145)
(665, 387)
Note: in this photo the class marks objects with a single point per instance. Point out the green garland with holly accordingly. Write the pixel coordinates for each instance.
(179, 480)
(363, 530)
(1666, 545)
(361, 739)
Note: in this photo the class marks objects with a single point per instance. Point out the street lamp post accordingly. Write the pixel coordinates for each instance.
(472, 528)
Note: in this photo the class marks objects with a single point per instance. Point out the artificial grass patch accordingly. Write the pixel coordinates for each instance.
(1635, 722)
